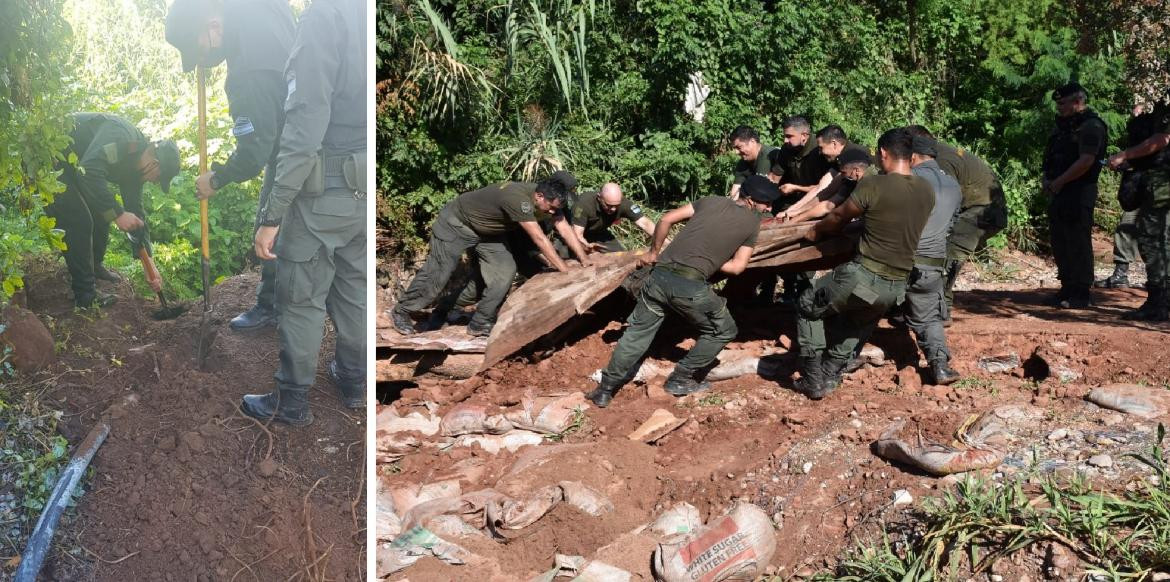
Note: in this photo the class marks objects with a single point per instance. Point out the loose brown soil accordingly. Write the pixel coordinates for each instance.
(186, 488)
(808, 464)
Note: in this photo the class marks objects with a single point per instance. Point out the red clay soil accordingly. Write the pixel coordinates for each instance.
(185, 487)
(808, 464)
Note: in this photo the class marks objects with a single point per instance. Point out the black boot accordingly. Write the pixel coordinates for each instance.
(1159, 311)
(352, 392)
(479, 330)
(603, 394)
(290, 406)
(437, 320)
(831, 372)
(812, 377)
(1147, 309)
(682, 382)
(102, 273)
(942, 372)
(256, 317)
(1118, 280)
(95, 300)
(402, 321)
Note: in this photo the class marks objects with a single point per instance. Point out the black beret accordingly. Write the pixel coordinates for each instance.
(924, 146)
(853, 155)
(760, 189)
(567, 179)
(1068, 90)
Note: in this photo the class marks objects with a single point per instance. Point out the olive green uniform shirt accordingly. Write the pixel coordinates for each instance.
(759, 167)
(587, 213)
(803, 167)
(108, 148)
(895, 208)
(497, 209)
(711, 237)
(974, 176)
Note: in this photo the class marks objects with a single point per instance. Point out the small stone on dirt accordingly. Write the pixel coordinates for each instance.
(266, 468)
(1102, 461)
(806, 468)
(1058, 435)
(902, 497)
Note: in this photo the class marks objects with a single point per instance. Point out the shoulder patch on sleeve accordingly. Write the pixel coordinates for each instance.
(526, 207)
(111, 152)
(578, 212)
(242, 127)
(636, 209)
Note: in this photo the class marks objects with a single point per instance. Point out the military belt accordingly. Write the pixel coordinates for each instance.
(333, 170)
(929, 261)
(883, 270)
(683, 271)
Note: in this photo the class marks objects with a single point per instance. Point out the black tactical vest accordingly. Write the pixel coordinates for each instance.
(1064, 148)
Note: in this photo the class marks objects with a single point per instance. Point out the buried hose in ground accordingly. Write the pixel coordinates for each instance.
(42, 536)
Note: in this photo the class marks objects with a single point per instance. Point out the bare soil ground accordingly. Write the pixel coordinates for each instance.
(807, 464)
(186, 488)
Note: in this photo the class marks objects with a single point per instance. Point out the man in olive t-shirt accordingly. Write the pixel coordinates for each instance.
(593, 216)
(719, 237)
(754, 157)
(840, 309)
(480, 220)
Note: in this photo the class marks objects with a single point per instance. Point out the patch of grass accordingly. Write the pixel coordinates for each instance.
(971, 382)
(964, 532)
(713, 399)
(578, 422)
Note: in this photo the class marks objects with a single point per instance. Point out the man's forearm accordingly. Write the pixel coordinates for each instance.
(1152, 145)
(546, 249)
(570, 238)
(1075, 171)
(660, 231)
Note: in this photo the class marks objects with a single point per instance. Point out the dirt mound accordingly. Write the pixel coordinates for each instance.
(809, 465)
(186, 488)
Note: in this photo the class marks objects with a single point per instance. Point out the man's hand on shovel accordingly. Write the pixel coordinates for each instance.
(265, 240)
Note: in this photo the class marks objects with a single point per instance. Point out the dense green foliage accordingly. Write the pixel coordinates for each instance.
(473, 92)
(94, 55)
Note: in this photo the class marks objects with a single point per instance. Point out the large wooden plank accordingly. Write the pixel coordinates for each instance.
(550, 299)
(448, 339)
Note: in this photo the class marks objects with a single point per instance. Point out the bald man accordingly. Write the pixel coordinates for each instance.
(594, 215)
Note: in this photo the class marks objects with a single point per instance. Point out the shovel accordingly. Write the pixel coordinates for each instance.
(153, 277)
(206, 335)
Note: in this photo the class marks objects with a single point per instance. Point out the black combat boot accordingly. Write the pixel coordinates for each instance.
(1159, 311)
(256, 317)
(603, 394)
(479, 329)
(287, 405)
(812, 377)
(102, 273)
(831, 372)
(436, 321)
(95, 300)
(1147, 309)
(942, 372)
(682, 382)
(402, 321)
(1118, 280)
(351, 392)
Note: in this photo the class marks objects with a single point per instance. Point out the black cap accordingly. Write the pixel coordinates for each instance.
(1068, 90)
(566, 178)
(186, 19)
(924, 146)
(168, 162)
(760, 189)
(853, 155)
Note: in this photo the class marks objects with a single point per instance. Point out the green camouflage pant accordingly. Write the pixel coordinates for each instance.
(966, 237)
(1153, 221)
(839, 311)
(694, 300)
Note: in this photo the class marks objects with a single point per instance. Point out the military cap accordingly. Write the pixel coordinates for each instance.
(168, 161)
(186, 20)
(566, 178)
(854, 155)
(924, 146)
(760, 189)
(1068, 90)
